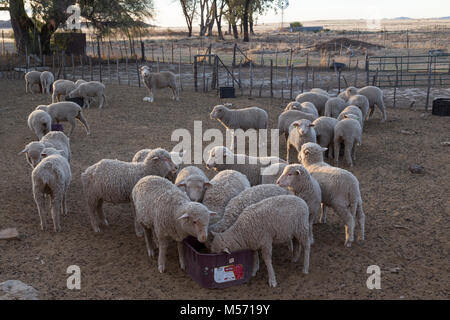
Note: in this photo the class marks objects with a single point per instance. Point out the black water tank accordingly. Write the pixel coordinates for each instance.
(441, 107)
(227, 92)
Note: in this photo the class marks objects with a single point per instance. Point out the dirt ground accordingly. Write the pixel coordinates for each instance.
(407, 214)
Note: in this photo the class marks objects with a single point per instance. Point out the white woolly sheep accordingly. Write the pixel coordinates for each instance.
(89, 91)
(222, 158)
(66, 111)
(51, 177)
(40, 123)
(270, 174)
(61, 87)
(320, 91)
(159, 80)
(32, 78)
(347, 93)
(177, 158)
(54, 139)
(298, 180)
(340, 189)
(361, 102)
(275, 220)
(193, 181)
(287, 117)
(301, 132)
(224, 186)
(324, 127)
(165, 212)
(354, 110)
(243, 200)
(317, 99)
(78, 82)
(334, 107)
(347, 131)
(47, 80)
(375, 97)
(307, 107)
(113, 180)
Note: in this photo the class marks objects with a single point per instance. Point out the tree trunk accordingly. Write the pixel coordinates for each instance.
(245, 20)
(250, 22)
(235, 30)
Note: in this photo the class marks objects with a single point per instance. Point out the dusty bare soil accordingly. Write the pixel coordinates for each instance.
(407, 214)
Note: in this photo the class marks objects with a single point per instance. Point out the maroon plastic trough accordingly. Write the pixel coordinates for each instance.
(216, 270)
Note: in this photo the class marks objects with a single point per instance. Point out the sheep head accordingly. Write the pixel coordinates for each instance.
(195, 220)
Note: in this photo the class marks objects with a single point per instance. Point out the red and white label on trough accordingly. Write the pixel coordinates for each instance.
(228, 273)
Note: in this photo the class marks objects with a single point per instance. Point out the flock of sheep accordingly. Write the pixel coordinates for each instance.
(242, 207)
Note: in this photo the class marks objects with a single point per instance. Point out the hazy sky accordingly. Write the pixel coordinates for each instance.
(168, 12)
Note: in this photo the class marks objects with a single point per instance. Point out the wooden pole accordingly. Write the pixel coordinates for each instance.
(195, 74)
(271, 78)
(306, 70)
(251, 78)
(137, 71)
(356, 74)
(73, 67)
(292, 80)
(429, 83)
(118, 70)
(126, 69)
(90, 69)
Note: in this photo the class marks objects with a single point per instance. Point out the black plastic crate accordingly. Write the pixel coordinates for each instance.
(227, 92)
(441, 107)
(216, 270)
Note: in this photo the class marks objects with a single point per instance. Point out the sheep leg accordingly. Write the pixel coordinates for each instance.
(266, 253)
(72, 124)
(297, 249)
(26, 86)
(56, 213)
(361, 221)
(64, 205)
(288, 153)
(181, 255)
(101, 214)
(149, 241)
(311, 222)
(348, 153)
(83, 121)
(372, 109)
(305, 241)
(101, 100)
(39, 198)
(337, 149)
(255, 263)
(354, 150)
(137, 227)
(162, 244)
(323, 217)
(92, 205)
(382, 108)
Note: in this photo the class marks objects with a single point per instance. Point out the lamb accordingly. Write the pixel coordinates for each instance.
(79, 82)
(347, 93)
(317, 99)
(113, 180)
(270, 174)
(287, 117)
(165, 212)
(334, 107)
(247, 118)
(46, 79)
(243, 200)
(61, 88)
(177, 158)
(375, 97)
(54, 139)
(298, 180)
(347, 131)
(324, 127)
(362, 103)
(194, 182)
(51, 177)
(340, 189)
(224, 186)
(40, 123)
(88, 91)
(159, 80)
(222, 158)
(302, 132)
(66, 111)
(307, 107)
(320, 91)
(271, 221)
(354, 110)
(32, 78)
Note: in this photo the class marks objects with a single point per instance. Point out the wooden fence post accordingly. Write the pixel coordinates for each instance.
(292, 80)
(271, 78)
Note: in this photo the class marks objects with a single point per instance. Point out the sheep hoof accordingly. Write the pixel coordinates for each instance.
(348, 244)
(161, 268)
(151, 253)
(272, 283)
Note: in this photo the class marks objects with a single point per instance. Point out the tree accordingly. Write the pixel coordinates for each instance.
(47, 16)
(189, 10)
(218, 14)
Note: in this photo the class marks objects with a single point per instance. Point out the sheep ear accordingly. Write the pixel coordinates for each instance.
(212, 213)
(226, 250)
(297, 172)
(181, 153)
(155, 158)
(44, 154)
(345, 116)
(324, 149)
(207, 184)
(311, 125)
(23, 151)
(213, 233)
(181, 184)
(184, 216)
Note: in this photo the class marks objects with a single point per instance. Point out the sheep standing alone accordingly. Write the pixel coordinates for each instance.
(222, 158)
(54, 139)
(224, 186)
(334, 107)
(32, 78)
(159, 80)
(243, 200)
(165, 212)
(302, 132)
(51, 177)
(193, 181)
(319, 100)
(340, 189)
(66, 111)
(297, 179)
(40, 123)
(61, 87)
(113, 180)
(271, 221)
(287, 117)
(362, 103)
(324, 127)
(89, 91)
(349, 132)
(306, 107)
(177, 158)
(270, 174)
(47, 80)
